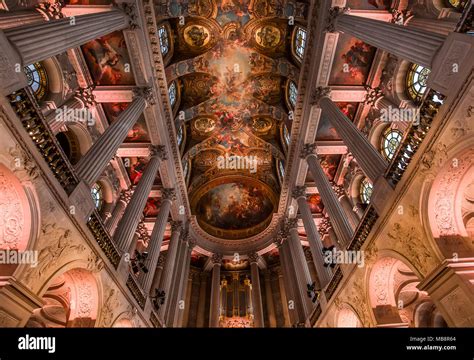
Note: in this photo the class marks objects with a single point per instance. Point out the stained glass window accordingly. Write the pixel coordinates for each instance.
(37, 79)
(366, 188)
(164, 41)
(172, 93)
(300, 42)
(455, 3)
(390, 141)
(286, 135)
(97, 196)
(281, 167)
(292, 93)
(416, 81)
(179, 136)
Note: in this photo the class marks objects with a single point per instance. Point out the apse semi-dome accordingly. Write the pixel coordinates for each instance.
(234, 207)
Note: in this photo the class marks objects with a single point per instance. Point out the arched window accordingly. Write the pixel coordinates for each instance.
(172, 93)
(300, 42)
(366, 188)
(391, 139)
(416, 81)
(180, 135)
(164, 41)
(37, 79)
(286, 135)
(97, 196)
(281, 168)
(455, 3)
(292, 93)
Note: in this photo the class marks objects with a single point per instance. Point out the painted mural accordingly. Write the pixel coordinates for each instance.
(329, 163)
(352, 61)
(348, 108)
(152, 207)
(108, 60)
(326, 131)
(234, 206)
(88, 2)
(368, 4)
(138, 133)
(315, 204)
(135, 167)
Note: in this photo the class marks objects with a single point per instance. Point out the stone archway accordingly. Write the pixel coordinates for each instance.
(346, 317)
(394, 296)
(71, 300)
(450, 206)
(15, 221)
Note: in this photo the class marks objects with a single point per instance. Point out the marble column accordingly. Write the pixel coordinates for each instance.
(40, 41)
(248, 296)
(215, 290)
(283, 296)
(118, 211)
(187, 297)
(156, 238)
(176, 304)
(157, 273)
(303, 278)
(315, 244)
(256, 291)
(11, 19)
(439, 26)
(346, 205)
(166, 276)
(293, 303)
(269, 299)
(312, 266)
(134, 211)
(83, 99)
(369, 159)
(183, 300)
(410, 43)
(92, 164)
(202, 299)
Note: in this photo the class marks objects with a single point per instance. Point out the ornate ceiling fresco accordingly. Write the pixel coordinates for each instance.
(230, 68)
(232, 64)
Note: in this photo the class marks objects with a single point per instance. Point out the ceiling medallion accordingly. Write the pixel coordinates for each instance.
(261, 125)
(268, 36)
(204, 125)
(196, 35)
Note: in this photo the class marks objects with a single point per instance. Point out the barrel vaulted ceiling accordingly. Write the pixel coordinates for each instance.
(231, 65)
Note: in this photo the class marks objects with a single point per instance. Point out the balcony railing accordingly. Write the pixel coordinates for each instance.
(136, 290)
(363, 229)
(414, 137)
(103, 238)
(332, 286)
(154, 320)
(27, 109)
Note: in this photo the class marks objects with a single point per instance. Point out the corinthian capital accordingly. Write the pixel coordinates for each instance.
(216, 258)
(126, 195)
(291, 223)
(168, 194)
(86, 95)
(146, 93)
(307, 150)
(333, 14)
(131, 10)
(318, 93)
(176, 226)
(253, 257)
(160, 151)
(299, 191)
